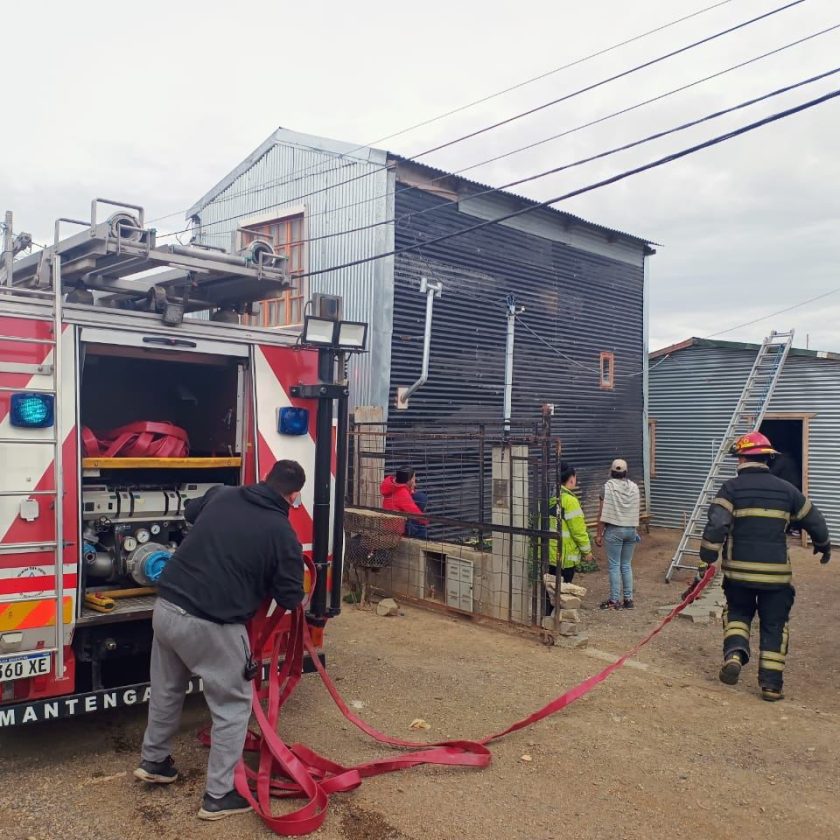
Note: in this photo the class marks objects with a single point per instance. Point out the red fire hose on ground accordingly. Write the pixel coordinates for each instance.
(296, 772)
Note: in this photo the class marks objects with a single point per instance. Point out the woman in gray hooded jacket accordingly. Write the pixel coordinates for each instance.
(618, 521)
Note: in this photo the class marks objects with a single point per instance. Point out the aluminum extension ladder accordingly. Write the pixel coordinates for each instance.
(747, 417)
(55, 496)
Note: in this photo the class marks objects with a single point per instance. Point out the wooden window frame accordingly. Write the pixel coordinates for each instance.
(606, 383)
(286, 310)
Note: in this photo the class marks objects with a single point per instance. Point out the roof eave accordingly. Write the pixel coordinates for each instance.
(646, 244)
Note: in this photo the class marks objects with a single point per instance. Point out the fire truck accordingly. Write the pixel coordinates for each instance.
(131, 382)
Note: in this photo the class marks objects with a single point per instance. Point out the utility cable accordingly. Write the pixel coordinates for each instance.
(488, 97)
(597, 121)
(581, 161)
(670, 158)
(774, 314)
(567, 132)
(580, 91)
(643, 66)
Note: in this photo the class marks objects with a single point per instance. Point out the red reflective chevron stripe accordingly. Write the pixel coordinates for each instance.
(297, 772)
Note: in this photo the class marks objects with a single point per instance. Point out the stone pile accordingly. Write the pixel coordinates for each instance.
(569, 606)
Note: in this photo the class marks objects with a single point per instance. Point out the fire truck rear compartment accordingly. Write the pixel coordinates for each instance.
(132, 511)
(197, 392)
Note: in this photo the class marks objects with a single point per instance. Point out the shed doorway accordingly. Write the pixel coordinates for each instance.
(788, 436)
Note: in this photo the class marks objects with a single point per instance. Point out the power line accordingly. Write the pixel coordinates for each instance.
(774, 314)
(580, 162)
(575, 362)
(552, 72)
(714, 141)
(565, 133)
(489, 97)
(643, 66)
(580, 91)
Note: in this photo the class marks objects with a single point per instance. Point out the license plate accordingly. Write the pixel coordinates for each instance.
(21, 667)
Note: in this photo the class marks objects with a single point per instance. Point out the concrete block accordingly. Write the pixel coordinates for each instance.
(387, 606)
(570, 615)
(568, 628)
(695, 616)
(580, 641)
(572, 589)
(570, 602)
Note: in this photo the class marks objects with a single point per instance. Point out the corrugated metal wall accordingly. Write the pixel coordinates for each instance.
(289, 177)
(580, 303)
(693, 393)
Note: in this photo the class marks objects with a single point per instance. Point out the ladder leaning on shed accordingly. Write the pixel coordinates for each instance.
(747, 417)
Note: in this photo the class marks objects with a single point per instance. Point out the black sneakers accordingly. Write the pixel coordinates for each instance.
(157, 772)
(227, 805)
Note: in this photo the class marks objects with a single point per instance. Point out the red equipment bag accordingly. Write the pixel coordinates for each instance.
(137, 440)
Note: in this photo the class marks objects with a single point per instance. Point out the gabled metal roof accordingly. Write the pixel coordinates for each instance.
(736, 345)
(367, 153)
(293, 138)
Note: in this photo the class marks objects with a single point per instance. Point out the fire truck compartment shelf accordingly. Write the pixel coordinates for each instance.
(127, 609)
(159, 463)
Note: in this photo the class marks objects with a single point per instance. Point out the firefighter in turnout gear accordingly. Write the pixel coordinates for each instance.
(751, 513)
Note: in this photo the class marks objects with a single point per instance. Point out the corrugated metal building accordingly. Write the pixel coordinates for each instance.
(694, 388)
(581, 343)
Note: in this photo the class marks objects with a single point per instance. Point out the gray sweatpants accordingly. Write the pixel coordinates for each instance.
(185, 645)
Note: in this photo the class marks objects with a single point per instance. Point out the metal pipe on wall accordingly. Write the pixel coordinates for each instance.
(512, 313)
(431, 290)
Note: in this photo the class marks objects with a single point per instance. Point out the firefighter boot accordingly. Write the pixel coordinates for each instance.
(772, 695)
(731, 670)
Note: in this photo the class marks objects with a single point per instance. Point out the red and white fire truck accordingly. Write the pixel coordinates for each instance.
(118, 404)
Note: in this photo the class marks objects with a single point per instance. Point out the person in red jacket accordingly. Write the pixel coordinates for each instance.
(400, 493)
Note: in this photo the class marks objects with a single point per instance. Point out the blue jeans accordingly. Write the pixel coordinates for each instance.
(413, 528)
(620, 543)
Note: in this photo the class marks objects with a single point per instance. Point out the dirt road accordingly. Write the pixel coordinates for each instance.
(662, 750)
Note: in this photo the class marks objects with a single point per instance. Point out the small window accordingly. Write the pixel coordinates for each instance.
(607, 370)
(652, 447)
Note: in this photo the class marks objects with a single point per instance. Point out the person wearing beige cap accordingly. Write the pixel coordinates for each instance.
(618, 520)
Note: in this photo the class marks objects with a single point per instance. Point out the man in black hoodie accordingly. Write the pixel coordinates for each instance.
(240, 551)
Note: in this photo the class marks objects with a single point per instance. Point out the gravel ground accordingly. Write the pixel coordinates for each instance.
(660, 750)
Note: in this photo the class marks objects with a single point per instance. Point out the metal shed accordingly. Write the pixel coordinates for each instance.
(694, 387)
(581, 343)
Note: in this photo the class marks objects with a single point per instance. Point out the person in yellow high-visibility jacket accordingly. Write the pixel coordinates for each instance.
(574, 542)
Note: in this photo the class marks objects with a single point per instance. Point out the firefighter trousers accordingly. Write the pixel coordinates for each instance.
(773, 607)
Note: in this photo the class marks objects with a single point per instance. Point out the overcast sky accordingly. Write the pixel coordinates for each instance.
(155, 102)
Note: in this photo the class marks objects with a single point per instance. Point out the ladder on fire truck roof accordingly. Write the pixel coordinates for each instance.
(120, 260)
(119, 263)
(749, 412)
